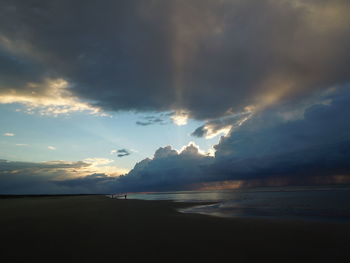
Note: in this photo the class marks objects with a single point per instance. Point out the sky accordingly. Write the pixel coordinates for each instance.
(126, 96)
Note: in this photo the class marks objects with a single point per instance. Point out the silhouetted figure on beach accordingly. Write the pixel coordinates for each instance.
(125, 196)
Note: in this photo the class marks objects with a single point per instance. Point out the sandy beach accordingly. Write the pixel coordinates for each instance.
(97, 229)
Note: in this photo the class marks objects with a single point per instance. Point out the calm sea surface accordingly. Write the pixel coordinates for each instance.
(330, 203)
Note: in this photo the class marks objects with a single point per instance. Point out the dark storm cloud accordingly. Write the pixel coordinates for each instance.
(168, 170)
(265, 149)
(15, 72)
(210, 58)
(317, 144)
(269, 133)
(108, 51)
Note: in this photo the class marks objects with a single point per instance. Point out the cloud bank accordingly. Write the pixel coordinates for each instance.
(267, 149)
(57, 177)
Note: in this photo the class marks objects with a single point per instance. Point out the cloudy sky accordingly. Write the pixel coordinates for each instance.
(114, 96)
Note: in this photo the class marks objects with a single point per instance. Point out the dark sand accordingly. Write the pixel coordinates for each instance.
(100, 229)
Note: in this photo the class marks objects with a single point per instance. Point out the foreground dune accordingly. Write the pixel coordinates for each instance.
(97, 229)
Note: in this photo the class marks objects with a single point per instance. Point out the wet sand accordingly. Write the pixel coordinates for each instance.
(97, 229)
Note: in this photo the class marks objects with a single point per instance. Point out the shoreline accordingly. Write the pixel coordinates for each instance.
(202, 209)
(97, 228)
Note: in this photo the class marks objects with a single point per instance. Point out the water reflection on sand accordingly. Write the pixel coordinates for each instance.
(315, 203)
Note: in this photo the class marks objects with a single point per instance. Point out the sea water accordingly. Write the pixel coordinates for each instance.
(330, 203)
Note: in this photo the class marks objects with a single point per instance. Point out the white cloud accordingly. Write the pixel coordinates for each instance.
(180, 118)
(51, 97)
(9, 134)
(51, 148)
(223, 125)
(193, 145)
(98, 161)
(211, 133)
(100, 165)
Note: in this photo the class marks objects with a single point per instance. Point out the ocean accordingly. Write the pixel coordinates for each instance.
(321, 203)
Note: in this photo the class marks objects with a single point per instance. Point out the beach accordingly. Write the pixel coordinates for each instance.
(96, 229)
